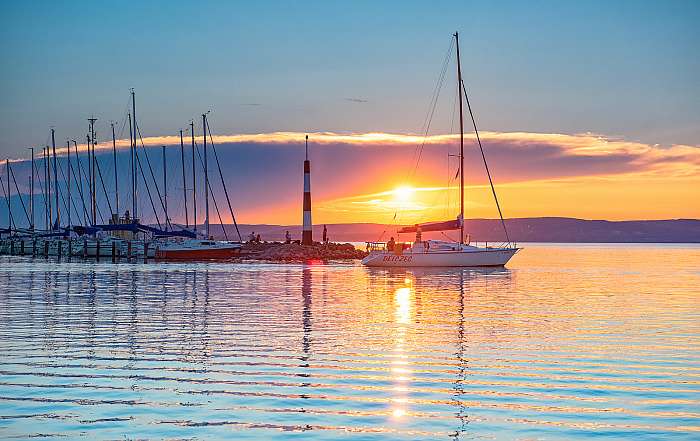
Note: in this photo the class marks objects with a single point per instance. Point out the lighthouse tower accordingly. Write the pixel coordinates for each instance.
(307, 234)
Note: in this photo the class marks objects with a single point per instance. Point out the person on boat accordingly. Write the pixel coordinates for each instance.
(257, 238)
(391, 244)
(251, 237)
(325, 234)
(287, 237)
(419, 234)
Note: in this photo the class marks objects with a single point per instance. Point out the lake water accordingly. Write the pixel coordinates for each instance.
(567, 342)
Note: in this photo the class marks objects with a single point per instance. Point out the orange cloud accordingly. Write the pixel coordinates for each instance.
(355, 176)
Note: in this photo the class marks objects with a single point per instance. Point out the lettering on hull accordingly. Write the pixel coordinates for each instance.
(397, 258)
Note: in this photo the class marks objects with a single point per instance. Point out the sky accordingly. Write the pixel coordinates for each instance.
(588, 109)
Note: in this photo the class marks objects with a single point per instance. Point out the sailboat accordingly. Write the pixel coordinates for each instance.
(438, 253)
(194, 248)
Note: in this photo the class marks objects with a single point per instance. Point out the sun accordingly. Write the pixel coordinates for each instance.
(404, 193)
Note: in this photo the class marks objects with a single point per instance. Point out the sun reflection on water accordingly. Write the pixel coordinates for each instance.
(400, 370)
(601, 342)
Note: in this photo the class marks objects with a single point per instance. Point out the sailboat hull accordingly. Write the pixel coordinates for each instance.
(203, 254)
(486, 257)
(197, 250)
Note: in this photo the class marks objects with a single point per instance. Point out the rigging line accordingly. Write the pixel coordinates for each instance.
(79, 180)
(7, 197)
(80, 191)
(41, 186)
(121, 131)
(223, 184)
(70, 200)
(153, 176)
(125, 116)
(60, 193)
(99, 212)
(19, 195)
(418, 153)
(213, 198)
(452, 126)
(443, 69)
(433, 106)
(104, 189)
(148, 190)
(483, 156)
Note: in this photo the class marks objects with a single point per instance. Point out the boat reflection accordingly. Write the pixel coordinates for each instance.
(416, 291)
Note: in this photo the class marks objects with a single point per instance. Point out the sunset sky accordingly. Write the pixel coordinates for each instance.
(588, 109)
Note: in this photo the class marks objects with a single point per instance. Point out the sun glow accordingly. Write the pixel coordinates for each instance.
(404, 193)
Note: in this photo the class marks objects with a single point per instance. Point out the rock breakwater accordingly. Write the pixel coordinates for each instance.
(293, 252)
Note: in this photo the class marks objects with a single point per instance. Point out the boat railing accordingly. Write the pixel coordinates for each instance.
(485, 244)
(376, 246)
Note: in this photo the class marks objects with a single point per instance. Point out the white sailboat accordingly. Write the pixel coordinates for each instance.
(436, 253)
(196, 249)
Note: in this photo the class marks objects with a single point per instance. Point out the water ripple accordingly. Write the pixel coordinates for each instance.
(603, 342)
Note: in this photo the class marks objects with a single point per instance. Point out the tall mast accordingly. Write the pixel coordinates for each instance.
(49, 190)
(184, 179)
(135, 128)
(47, 207)
(93, 174)
(206, 177)
(70, 224)
(55, 179)
(89, 176)
(194, 180)
(116, 180)
(80, 177)
(132, 167)
(461, 145)
(31, 194)
(9, 205)
(165, 189)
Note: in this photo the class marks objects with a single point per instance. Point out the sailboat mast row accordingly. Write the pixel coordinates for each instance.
(93, 237)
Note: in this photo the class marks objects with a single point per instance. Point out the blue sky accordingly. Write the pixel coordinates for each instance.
(624, 69)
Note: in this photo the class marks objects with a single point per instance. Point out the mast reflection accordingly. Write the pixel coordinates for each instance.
(306, 320)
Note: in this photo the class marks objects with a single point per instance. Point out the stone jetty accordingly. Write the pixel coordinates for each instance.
(294, 252)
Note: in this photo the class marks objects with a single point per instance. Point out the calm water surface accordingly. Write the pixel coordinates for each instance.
(568, 342)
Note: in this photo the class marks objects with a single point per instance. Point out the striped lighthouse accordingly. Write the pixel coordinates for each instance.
(307, 234)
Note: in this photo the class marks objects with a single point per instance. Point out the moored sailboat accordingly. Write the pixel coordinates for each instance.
(434, 253)
(196, 249)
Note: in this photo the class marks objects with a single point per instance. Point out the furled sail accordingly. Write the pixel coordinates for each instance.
(434, 226)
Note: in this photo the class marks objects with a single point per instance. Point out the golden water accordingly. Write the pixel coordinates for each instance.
(567, 342)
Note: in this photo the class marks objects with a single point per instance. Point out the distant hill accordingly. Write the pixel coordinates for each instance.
(540, 229)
